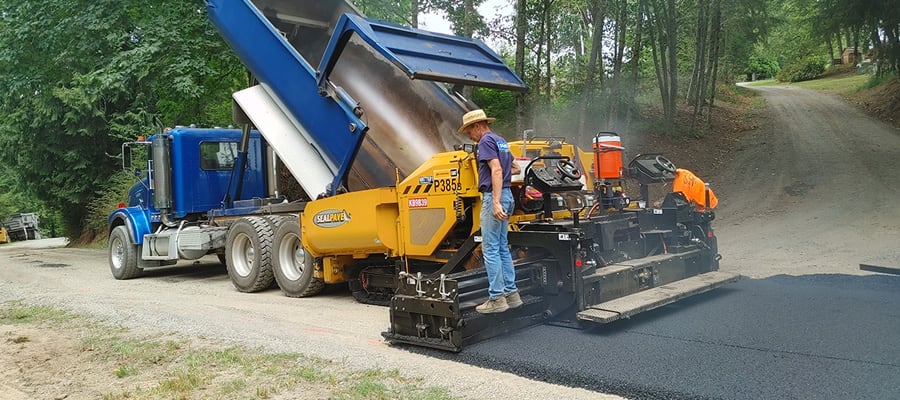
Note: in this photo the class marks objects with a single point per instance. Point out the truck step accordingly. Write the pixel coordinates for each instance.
(625, 307)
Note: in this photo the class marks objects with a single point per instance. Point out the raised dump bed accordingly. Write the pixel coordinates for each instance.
(353, 89)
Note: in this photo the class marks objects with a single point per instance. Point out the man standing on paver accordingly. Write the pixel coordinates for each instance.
(495, 167)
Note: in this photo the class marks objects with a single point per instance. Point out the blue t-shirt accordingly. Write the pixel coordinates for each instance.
(492, 146)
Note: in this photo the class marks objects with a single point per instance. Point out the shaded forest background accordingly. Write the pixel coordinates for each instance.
(80, 77)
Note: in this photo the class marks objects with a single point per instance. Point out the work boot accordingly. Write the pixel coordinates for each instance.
(513, 300)
(491, 306)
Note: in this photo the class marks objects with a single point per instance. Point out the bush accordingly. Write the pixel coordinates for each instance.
(106, 201)
(762, 67)
(802, 70)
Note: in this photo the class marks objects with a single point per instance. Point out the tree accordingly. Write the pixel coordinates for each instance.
(521, 26)
(594, 71)
(664, 45)
(404, 12)
(875, 23)
(82, 76)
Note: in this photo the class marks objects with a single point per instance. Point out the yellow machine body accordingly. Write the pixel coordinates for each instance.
(412, 220)
(4, 236)
(422, 218)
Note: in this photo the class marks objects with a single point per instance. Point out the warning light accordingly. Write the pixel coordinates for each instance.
(121, 205)
(578, 262)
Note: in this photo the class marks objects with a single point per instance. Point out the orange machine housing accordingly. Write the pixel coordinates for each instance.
(694, 189)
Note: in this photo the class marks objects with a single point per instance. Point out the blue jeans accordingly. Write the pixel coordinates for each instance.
(497, 260)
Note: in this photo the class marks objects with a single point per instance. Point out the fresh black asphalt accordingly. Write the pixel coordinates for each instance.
(785, 337)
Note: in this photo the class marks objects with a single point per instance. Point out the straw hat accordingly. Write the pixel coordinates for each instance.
(472, 117)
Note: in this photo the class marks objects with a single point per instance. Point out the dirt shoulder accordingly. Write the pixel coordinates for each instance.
(56, 355)
(882, 102)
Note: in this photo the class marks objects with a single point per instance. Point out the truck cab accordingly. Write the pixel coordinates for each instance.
(187, 173)
(202, 165)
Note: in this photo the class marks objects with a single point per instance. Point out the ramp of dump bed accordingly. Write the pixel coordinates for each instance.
(424, 55)
(335, 131)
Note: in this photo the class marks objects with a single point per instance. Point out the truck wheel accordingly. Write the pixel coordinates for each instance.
(248, 254)
(293, 265)
(123, 254)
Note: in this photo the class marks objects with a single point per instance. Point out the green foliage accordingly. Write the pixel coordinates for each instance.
(105, 200)
(762, 66)
(396, 11)
(500, 104)
(463, 17)
(81, 76)
(874, 23)
(790, 37)
(12, 200)
(879, 79)
(803, 70)
(748, 23)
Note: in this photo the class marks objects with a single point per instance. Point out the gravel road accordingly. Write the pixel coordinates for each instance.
(198, 300)
(811, 192)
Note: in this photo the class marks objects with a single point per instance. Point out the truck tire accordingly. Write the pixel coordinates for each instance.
(293, 264)
(123, 254)
(248, 254)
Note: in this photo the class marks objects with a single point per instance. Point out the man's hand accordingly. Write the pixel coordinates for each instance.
(498, 210)
(514, 168)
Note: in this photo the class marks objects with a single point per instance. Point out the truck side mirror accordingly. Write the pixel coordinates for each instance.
(127, 157)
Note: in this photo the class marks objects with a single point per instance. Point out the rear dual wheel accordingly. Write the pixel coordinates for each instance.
(293, 265)
(260, 250)
(248, 254)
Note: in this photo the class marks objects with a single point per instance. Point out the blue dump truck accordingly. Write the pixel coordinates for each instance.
(362, 115)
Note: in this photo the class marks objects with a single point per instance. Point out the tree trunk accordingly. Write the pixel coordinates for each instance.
(468, 30)
(715, 41)
(548, 61)
(635, 61)
(536, 95)
(414, 13)
(587, 102)
(521, 27)
(697, 88)
(665, 56)
(656, 42)
(615, 98)
(830, 44)
(699, 43)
